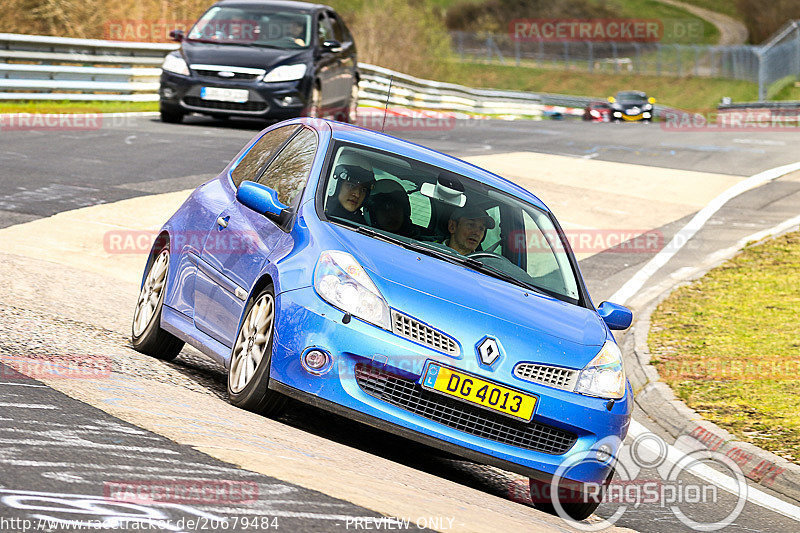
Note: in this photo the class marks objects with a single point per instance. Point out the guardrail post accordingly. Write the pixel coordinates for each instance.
(541, 52)
(591, 55)
(762, 77)
(614, 55)
(658, 59)
(566, 54)
(516, 50)
(637, 67)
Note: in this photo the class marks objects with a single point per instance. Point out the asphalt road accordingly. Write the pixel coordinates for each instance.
(49, 172)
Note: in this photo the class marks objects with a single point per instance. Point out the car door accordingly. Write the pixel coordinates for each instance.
(347, 60)
(236, 248)
(328, 65)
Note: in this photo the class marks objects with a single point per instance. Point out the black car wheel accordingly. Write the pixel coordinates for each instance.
(171, 116)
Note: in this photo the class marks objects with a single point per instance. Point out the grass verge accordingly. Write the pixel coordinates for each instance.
(729, 345)
(685, 93)
(67, 106)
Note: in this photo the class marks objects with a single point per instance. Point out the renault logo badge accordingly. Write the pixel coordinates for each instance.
(488, 350)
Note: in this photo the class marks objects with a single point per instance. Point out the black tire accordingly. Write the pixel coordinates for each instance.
(573, 502)
(256, 395)
(153, 340)
(171, 116)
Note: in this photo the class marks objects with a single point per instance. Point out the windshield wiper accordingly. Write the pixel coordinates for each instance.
(474, 264)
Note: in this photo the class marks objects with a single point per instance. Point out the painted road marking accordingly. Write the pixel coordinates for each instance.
(635, 284)
(28, 405)
(726, 483)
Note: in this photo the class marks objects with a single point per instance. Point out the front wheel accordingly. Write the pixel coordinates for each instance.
(248, 375)
(146, 333)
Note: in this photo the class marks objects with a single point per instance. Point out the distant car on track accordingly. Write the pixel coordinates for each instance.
(262, 59)
(399, 287)
(632, 106)
(597, 112)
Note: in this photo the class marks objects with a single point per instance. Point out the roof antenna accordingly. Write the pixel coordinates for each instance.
(385, 109)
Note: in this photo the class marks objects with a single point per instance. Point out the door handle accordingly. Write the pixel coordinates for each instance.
(222, 222)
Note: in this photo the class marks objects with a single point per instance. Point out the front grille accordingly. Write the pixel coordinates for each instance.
(195, 101)
(413, 329)
(410, 396)
(241, 76)
(550, 376)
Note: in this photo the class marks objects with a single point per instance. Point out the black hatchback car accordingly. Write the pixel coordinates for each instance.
(632, 106)
(262, 59)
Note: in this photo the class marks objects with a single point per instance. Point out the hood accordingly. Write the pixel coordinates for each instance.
(468, 305)
(235, 55)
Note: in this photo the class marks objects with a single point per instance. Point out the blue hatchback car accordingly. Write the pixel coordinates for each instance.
(399, 287)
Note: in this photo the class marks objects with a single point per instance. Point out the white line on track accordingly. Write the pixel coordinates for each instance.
(634, 285)
(22, 385)
(28, 405)
(706, 473)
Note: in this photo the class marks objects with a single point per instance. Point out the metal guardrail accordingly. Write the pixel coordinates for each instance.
(34, 67)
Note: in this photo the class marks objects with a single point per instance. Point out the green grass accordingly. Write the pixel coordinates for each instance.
(652, 9)
(685, 93)
(729, 345)
(67, 106)
(786, 89)
(726, 7)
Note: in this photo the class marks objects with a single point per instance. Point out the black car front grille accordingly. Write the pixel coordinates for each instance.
(238, 76)
(196, 101)
(410, 396)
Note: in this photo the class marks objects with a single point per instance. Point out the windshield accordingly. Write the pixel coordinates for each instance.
(631, 97)
(254, 25)
(448, 216)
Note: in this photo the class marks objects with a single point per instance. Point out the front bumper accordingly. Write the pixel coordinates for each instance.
(279, 100)
(304, 320)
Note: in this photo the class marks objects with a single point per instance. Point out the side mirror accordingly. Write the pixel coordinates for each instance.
(176, 35)
(262, 199)
(611, 99)
(615, 316)
(331, 46)
(651, 100)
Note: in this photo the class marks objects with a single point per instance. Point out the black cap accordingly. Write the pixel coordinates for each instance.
(354, 174)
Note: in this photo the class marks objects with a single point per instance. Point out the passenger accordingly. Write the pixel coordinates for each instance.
(353, 183)
(389, 208)
(467, 227)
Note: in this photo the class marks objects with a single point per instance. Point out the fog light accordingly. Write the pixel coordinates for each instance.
(604, 453)
(646, 115)
(287, 101)
(617, 114)
(315, 360)
(168, 92)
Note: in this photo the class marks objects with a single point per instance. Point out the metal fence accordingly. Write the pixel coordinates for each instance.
(52, 68)
(769, 64)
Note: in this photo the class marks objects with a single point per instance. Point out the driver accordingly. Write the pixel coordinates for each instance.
(297, 33)
(467, 227)
(353, 183)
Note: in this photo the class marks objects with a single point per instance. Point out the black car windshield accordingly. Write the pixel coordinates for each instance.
(255, 26)
(448, 216)
(631, 96)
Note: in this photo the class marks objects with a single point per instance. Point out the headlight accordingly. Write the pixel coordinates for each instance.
(617, 114)
(647, 107)
(604, 376)
(595, 113)
(175, 63)
(286, 73)
(343, 283)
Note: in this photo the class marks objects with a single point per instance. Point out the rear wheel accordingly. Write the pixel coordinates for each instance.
(248, 375)
(146, 333)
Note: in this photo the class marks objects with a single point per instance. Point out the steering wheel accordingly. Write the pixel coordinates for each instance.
(487, 255)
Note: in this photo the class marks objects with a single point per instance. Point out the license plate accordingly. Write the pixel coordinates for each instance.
(224, 95)
(480, 392)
